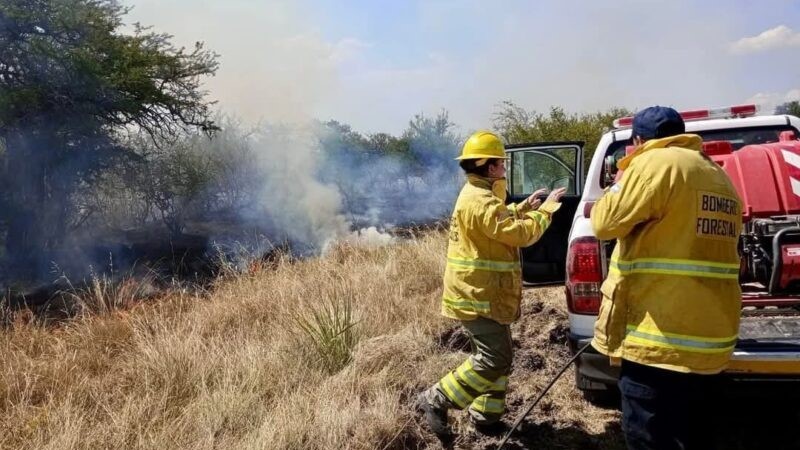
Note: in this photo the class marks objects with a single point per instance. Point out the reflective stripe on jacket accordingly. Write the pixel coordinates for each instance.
(483, 276)
(672, 297)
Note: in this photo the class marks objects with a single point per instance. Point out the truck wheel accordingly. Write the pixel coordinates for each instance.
(598, 394)
(606, 398)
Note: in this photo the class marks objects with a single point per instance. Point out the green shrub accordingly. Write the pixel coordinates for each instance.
(332, 332)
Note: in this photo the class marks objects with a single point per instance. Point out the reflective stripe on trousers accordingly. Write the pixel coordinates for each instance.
(467, 387)
(480, 382)
(680, 267)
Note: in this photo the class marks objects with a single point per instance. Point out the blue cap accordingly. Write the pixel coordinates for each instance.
(657, 122)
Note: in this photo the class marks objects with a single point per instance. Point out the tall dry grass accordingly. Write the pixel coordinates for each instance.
(321, 353)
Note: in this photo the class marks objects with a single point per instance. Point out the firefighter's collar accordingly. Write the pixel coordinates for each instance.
(688, 141)
(496, 185)
(479, 181)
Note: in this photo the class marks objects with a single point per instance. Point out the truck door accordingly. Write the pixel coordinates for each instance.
(549, 166)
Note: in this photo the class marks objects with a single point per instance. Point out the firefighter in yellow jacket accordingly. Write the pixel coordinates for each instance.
(671, 301)
(483, 282)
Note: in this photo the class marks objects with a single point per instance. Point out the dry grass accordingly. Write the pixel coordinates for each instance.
(234, 370)
(240, 369)
(102, 296)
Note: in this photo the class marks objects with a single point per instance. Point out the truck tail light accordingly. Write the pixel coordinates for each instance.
(700, 114)
(584, 276)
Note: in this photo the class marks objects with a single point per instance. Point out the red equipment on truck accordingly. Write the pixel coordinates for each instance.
(767, 178)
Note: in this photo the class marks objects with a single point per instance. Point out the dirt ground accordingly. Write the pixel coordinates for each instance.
(763, 417)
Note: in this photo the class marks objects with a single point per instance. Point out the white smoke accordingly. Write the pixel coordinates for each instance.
(370, 237)
(302, 207)
(295, 202)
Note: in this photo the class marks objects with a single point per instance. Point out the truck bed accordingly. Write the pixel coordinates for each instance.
(762, 329)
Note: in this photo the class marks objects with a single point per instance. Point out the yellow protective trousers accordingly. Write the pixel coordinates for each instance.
(480, 382)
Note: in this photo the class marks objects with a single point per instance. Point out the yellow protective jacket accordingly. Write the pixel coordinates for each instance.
(483, 276)
(672, 297)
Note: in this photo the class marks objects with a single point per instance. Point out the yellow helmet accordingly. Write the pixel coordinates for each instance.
(483, 145)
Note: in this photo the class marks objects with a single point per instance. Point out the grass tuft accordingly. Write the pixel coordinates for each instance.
(102, 295)
(331, 329)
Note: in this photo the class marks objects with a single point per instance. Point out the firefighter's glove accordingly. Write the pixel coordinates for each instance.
(553, 201)
(533, 202)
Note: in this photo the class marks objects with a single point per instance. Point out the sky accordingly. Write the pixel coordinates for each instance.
(375, 64)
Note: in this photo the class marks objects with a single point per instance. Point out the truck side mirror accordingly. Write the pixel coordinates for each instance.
(610, 170)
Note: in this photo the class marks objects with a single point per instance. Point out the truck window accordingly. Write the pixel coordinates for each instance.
(738, 137)
(543, 168)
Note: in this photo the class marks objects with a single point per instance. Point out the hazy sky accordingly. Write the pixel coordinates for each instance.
(374, 64)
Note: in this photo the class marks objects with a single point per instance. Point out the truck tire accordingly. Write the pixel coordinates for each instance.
(598, 394)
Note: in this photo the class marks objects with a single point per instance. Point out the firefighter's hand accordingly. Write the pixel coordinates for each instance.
(555, 196)
(534, 201)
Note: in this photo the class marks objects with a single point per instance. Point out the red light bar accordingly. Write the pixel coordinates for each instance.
(695, 114)
(744, 110)
(700, 114)
(623, 122)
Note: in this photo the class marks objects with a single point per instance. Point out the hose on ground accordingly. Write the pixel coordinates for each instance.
(541, 395)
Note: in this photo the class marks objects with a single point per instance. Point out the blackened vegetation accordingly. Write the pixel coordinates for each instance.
(389, 181)
(111, 162)
(417, 228)
(531, 361)
(70, 86)
(454, 339)
(559, 333)
(535, 339)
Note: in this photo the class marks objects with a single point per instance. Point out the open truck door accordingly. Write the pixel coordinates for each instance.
(547, 165)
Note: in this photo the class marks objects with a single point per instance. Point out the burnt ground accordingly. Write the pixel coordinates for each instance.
(195, 257)
(763, 417)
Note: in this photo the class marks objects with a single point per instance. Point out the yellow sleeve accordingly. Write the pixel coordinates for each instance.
(626, 204)
(501, 223)
(518, 209)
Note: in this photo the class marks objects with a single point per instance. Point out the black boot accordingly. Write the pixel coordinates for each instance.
(489, 429)
(435, 417)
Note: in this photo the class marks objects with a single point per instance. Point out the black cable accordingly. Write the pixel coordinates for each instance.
(541, 395)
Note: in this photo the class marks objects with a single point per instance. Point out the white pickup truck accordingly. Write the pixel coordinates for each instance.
(761, 153)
